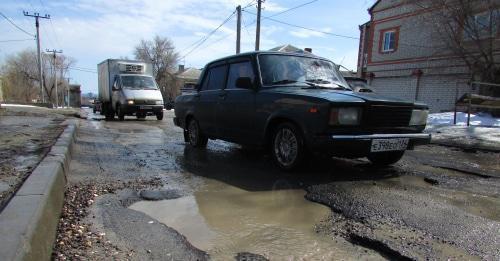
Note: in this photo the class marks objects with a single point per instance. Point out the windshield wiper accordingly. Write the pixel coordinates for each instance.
(321, 81)
(285, 81)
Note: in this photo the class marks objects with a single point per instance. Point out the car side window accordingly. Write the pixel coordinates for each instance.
(216, 78)
(236, 70)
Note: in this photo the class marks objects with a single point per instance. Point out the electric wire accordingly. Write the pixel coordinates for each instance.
(51, 26)
(17, 40)
(205, 38)
(15, 25)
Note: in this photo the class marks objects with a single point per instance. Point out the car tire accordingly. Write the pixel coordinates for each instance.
(119, 113)
(287, 146)
(159, 115)
(195, 136)
(109, 115)
(385, 158)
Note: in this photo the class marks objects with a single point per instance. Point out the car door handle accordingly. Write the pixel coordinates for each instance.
(222, 96)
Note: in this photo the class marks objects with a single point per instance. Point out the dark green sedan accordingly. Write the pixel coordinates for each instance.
(296, 104)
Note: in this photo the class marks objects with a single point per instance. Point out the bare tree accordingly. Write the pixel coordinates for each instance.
(161, 53)
(468, 29)
(61, 68)
(21, 79)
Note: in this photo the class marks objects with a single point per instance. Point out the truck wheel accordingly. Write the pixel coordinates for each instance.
(196, 137)
(110, 115)
(119, 113)
(159, 115)
(385, 158)
(287, 146)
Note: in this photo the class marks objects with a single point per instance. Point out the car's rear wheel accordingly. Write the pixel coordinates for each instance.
(385, 158)
(119, 113)
(195, 136)
(287, 146)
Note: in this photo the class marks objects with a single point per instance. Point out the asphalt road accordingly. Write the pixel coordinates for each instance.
(138, 192)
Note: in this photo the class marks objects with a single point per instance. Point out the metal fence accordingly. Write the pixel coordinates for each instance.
(473, 100)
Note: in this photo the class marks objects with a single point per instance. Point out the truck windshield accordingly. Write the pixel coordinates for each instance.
(138, 82)
(299, 70)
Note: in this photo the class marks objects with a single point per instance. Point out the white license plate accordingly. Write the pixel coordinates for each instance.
(146, 107)
(379, 145)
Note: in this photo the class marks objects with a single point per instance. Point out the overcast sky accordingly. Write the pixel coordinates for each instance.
(93, 30)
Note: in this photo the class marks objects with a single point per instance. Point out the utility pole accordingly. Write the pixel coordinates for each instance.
(257, 36)
(68, 89)
(37, 16)
(55, 73)
(238, 29)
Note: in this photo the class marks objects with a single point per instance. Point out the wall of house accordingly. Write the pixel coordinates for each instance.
(419, 59)
(439, 92)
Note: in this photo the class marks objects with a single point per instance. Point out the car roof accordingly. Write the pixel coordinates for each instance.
(255, 53)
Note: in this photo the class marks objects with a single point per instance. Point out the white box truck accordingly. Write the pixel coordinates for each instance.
(128, 88)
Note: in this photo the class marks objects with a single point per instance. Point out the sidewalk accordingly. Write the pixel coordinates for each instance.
(27, 133)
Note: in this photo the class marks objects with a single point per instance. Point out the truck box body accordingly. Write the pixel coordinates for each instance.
(111, 67)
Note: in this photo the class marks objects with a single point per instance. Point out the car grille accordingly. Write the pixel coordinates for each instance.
(145, 102)
(387, 116)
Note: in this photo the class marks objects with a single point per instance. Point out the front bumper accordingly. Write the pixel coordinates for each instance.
(131, 109)
(360, 145)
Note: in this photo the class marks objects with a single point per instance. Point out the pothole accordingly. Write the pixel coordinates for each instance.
(225, 220)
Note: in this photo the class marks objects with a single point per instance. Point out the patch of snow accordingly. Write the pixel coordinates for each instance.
(17, 105)
(484, 131)
(478, 119)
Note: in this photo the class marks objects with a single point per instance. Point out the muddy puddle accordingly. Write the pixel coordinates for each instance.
(224, 220)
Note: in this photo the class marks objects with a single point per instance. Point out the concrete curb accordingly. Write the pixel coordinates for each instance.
(28, 223)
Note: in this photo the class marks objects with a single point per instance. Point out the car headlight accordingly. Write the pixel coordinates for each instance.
(159, 102)
(419, 117)
(345, 116)
(130, 102)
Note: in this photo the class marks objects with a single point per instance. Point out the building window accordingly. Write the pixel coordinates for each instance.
(389, 41)
(482, 25)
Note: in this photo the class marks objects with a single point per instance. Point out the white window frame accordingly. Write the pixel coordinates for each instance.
(384, 38)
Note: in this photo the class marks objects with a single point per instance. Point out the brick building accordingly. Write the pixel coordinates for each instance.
(401, 55)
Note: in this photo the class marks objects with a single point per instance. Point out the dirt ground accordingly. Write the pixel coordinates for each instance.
(138, 192)
(27, 134)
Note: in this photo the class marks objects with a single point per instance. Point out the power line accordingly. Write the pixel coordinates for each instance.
(293, 8)
(205, 38)
(21, 29)
(17, 40)
(305, 28)
(82, 70)
(51, 25)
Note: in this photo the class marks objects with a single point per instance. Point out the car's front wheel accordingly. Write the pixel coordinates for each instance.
(385, 158)
(195, 136)
(287, 146)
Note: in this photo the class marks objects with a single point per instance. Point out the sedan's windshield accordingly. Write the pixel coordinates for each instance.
(288, 69)
(138, 82)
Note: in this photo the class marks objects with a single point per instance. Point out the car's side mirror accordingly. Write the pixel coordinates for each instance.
(244, 83)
